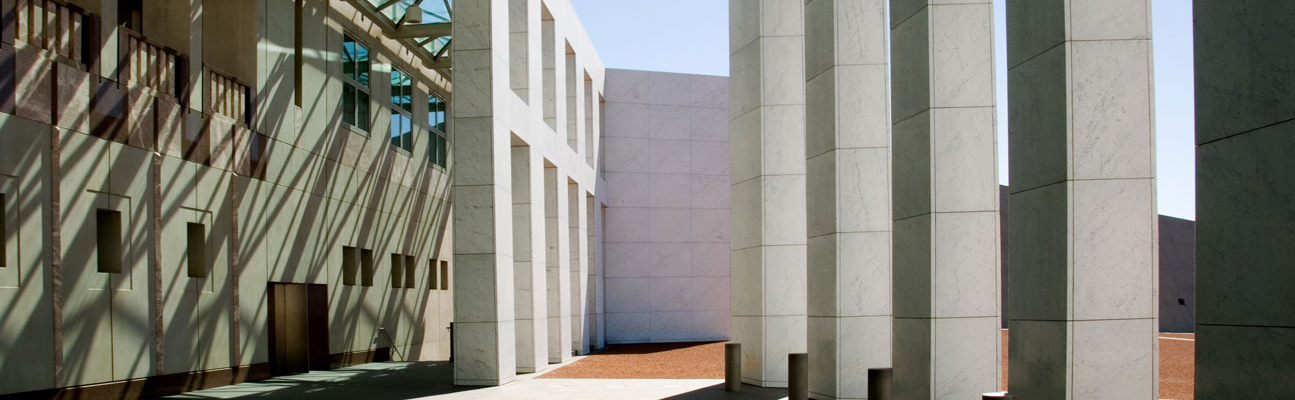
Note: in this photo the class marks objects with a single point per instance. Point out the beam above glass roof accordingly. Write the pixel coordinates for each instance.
(426, 33)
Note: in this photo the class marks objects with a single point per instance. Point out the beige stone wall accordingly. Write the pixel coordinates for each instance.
(321, 186)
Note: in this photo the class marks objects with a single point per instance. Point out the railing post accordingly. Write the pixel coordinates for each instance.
(798, 376)
(733, 367)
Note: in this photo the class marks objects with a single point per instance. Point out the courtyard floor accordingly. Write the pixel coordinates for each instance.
(676, 371)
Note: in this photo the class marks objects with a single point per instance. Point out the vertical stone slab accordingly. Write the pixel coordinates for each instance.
(1245, 328)
(1083, 316)
(558, 265)
(946, 244)
(484, 330)
(579, 265)
(528, 260)
(847, 150)
(767, 139)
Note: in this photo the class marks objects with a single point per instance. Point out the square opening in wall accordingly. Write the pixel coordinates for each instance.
(445, 275)
(366, 267)
(431, 274)
(397, 269)
(197, 250)
(411, 272)
(108, 232)
(350, 264)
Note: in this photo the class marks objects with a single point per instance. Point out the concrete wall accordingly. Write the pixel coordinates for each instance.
(667, 228)
(319, 185)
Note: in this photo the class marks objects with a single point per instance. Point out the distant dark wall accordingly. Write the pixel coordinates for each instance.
(1177, 270)
(1177, 274)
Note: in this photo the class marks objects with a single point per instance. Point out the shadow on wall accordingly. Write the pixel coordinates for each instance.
(1177, 270)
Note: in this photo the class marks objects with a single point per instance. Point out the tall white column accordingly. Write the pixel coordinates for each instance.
(1082, 316)
(528, 260)
(483, 275)
(848, 195)
(1245, 138)
(947, 337)
(558, 267)
(767, 153)
(579, 265)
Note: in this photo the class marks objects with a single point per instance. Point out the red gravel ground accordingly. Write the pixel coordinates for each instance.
(706, 361)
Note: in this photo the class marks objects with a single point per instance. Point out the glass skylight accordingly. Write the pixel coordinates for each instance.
(434, 11)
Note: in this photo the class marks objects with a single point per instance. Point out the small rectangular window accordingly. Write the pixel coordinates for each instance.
(411, 272)
(108, 232)
(366, 267)
(4, 232)
(445, 275)
(350, 265)
(197, 234)
(431, 274)
(355, 83)
(297, 54)
(436, 149)
(402, 104)
(397, 270)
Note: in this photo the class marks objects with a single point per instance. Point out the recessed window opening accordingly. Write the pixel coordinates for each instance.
(437, 149)
(445, 275)
(355, 83)
(4, 232)
(350, 265)
(431, 274)
(197, 250)
(411, 272)
(108, 232)
(366, 267)
(397, 270)
(402, 105)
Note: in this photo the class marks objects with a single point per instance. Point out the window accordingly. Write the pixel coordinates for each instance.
(402, 105)
(411, 272)
(355, 83)
(436, 150)
(108, 232)
(431, 274)
(445, 275)
(197, 235)
(366, 267)
(4, 233)
(130, 13)
(350, 265)
(397, 270)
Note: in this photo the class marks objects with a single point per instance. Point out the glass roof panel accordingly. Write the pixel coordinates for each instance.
(434, 11)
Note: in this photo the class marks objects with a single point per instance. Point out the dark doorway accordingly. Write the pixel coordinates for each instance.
(298, 328)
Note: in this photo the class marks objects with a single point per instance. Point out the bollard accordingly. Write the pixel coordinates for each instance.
(879, 381)
(997, 395)
(798, 376)
(733, 367)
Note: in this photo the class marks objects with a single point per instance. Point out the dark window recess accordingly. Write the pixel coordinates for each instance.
(411, 272)
(131, 14)
(397, 270)
(431, 274)
(1181, 302)
(197, 250)
(4, 233)
(296, 58)
(108, 232)
(445, 275)
(350, 264)
(366, 267)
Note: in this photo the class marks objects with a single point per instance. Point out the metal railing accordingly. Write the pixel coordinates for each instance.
(228, 96)
(63, 29)
(149, 64)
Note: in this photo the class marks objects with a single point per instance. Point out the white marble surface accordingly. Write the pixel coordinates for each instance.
(668, 216)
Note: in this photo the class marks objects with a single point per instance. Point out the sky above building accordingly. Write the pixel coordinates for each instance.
(691, 36)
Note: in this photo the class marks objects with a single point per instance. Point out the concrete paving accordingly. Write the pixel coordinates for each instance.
(433, 380)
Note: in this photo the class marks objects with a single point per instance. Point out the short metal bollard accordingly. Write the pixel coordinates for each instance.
(998, 396)
(798, 376)
(879, 381)
(733, 367)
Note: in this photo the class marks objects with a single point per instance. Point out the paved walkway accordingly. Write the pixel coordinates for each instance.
(432, 380)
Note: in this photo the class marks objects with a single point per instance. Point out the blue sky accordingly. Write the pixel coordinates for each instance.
(691, 36)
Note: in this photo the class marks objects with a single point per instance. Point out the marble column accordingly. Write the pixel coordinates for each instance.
(531, 313)
(947, 337)
(558, 266)
(1082, 315)
(1245, 138)
(483, 279)
(767, 156)
(579, 265)
(847, 149)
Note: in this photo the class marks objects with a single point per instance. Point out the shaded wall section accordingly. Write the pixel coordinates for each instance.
(1177, 270)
